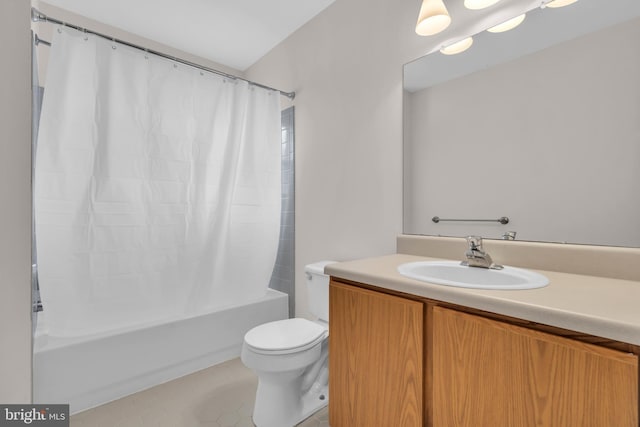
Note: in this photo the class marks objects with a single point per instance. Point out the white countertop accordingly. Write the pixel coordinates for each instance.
(604, 307)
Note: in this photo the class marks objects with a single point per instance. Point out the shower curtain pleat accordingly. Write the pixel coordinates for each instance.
(157, 189)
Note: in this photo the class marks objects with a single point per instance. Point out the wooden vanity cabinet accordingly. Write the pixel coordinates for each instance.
(376, 358)
(397, 361)
(492, 373)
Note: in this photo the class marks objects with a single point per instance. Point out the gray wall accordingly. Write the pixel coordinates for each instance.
(346, 68)
(15, 202)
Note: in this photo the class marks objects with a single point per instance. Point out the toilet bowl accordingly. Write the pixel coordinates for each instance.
(290, 358)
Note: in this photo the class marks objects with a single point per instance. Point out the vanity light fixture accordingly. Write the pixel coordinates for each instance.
(479, 4)
(434, 18)
(508, 25)
(457, 47)
(559, 3)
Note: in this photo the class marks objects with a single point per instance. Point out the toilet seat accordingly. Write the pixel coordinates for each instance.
(285, 336)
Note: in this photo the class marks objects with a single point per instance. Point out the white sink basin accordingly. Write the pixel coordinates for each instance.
(452, 273)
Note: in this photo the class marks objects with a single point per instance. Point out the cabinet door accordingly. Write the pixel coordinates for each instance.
(375, 359)
(490, 373)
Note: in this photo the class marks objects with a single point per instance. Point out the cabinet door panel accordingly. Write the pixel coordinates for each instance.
(375, 359)
(490, 373)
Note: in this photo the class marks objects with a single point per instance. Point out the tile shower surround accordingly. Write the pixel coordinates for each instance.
(283, 276)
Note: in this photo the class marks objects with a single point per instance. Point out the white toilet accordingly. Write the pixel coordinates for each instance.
(290, 358)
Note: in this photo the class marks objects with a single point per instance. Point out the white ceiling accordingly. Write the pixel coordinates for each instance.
(235, 33)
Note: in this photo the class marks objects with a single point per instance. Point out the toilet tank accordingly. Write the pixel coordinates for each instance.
(318, 289)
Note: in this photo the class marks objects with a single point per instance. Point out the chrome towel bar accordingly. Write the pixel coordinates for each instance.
(501, 220)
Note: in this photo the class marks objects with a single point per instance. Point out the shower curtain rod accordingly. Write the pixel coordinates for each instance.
(37, 16)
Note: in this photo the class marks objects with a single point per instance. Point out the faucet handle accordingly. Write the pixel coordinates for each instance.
(509, 235)
(475, 242)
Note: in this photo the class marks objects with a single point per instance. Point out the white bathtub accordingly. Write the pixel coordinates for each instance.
(89, 371)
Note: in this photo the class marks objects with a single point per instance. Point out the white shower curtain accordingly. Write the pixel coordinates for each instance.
(157, 190)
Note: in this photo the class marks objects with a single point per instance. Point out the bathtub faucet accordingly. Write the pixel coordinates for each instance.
(476, 257)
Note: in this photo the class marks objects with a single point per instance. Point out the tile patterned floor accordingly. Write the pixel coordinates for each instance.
(220, 396)
(319, 419)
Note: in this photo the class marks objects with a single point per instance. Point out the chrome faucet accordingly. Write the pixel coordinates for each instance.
(476, 257)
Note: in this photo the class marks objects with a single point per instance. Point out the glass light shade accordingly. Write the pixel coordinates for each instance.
(508, 25)
(457, 47)
(479, 4)
(560, 3)
(434, 18)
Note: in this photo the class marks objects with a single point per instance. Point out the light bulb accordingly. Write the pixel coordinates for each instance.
(457, 47)
(433, 18)
(508, 25)
(560, 3)
(479, 4)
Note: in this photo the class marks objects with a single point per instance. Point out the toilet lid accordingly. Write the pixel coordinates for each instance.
(288, 334)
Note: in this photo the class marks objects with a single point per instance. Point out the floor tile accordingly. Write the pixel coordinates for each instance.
(220, 396)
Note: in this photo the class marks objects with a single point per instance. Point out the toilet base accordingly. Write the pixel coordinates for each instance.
(279, 403)
(314, 400)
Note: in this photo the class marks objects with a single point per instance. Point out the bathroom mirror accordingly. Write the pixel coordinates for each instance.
(540, 124)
